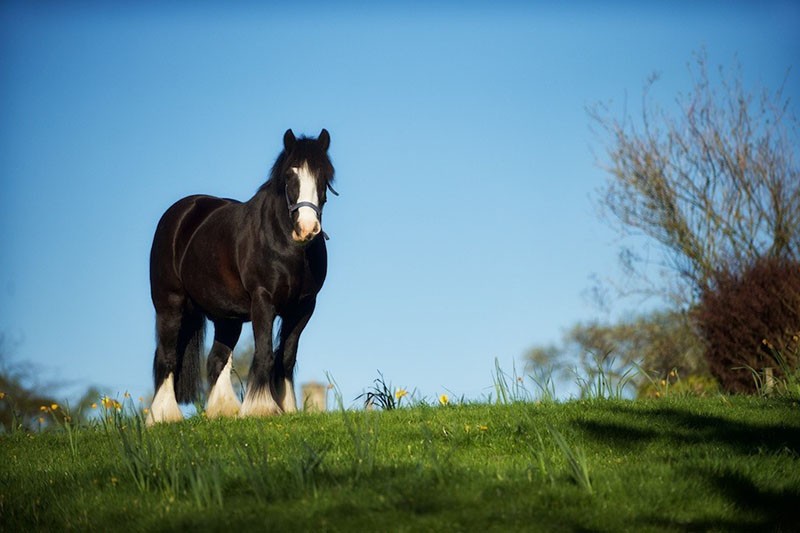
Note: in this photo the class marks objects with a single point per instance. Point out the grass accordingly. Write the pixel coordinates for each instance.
(663, 464)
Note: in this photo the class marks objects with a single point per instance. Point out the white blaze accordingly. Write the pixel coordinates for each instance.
(306, 217)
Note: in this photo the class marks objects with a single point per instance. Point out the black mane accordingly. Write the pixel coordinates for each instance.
(305, 149)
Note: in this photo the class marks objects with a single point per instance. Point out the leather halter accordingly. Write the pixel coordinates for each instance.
(294, 207)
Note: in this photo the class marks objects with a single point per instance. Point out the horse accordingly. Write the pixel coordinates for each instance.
(230, 262)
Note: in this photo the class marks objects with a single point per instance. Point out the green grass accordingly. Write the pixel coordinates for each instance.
(675, 464)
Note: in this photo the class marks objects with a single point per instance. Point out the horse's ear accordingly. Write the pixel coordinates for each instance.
(325, 139)
(288, 140)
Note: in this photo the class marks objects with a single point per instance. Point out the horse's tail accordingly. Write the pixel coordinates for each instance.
(190, 346)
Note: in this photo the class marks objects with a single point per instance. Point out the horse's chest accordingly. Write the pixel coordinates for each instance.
(288, 284)
(287, 279)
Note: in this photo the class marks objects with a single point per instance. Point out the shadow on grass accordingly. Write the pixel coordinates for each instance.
(762, 509)
(777, 510)
(682, 427)
(769, 510)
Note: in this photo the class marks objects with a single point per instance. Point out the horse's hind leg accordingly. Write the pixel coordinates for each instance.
(165, 405)
(222, 400)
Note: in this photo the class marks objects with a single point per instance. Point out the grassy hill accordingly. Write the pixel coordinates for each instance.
(670, 464)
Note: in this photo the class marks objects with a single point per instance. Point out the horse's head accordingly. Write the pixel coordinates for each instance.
(308, 172)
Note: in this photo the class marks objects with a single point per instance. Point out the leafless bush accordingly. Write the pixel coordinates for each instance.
(715, 183)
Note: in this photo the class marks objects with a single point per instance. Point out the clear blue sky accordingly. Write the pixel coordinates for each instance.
(465, 229)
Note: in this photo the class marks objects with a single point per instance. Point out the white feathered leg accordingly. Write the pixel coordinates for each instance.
(165, 406)
(222, 400)
(289, 402)
(259, 403)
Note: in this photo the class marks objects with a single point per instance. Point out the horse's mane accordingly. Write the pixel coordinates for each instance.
(305, 149)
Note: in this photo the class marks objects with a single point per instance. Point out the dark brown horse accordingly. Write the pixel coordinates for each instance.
(232, 262)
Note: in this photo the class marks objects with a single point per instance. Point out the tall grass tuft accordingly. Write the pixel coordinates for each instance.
(252, 462)
(63, 419)
(509, 388)
(203, 483)
(576, 460)
(605, 383)
(307, 467)
(362, 428)
(381, 395)
(153, 466)
(542, 461)
(142, 455)
(440, 464)
(543, 379)
(784, 382)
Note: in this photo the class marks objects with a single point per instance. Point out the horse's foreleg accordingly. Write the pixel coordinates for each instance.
(260, 400)
(291, 329)
(222, 400)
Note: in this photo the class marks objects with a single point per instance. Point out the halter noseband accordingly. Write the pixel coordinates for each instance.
(294, 207)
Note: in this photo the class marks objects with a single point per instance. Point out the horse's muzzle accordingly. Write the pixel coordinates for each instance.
(304, 231)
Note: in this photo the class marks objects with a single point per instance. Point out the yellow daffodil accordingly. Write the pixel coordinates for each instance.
(443, 399)
(94, 406)
(2, 395)
(54, 407)
(400, 393)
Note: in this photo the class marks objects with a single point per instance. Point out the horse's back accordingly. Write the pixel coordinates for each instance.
(173, 234)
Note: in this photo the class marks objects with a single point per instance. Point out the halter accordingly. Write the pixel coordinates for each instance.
(298, 205)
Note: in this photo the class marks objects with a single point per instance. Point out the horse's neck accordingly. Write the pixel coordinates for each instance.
(270, 213)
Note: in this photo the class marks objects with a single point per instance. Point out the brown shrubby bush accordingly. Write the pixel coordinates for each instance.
(750, 321)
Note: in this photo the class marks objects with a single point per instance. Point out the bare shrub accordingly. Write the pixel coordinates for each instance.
(714, 182)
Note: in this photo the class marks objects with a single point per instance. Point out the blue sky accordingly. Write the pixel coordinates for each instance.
(466, 228)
